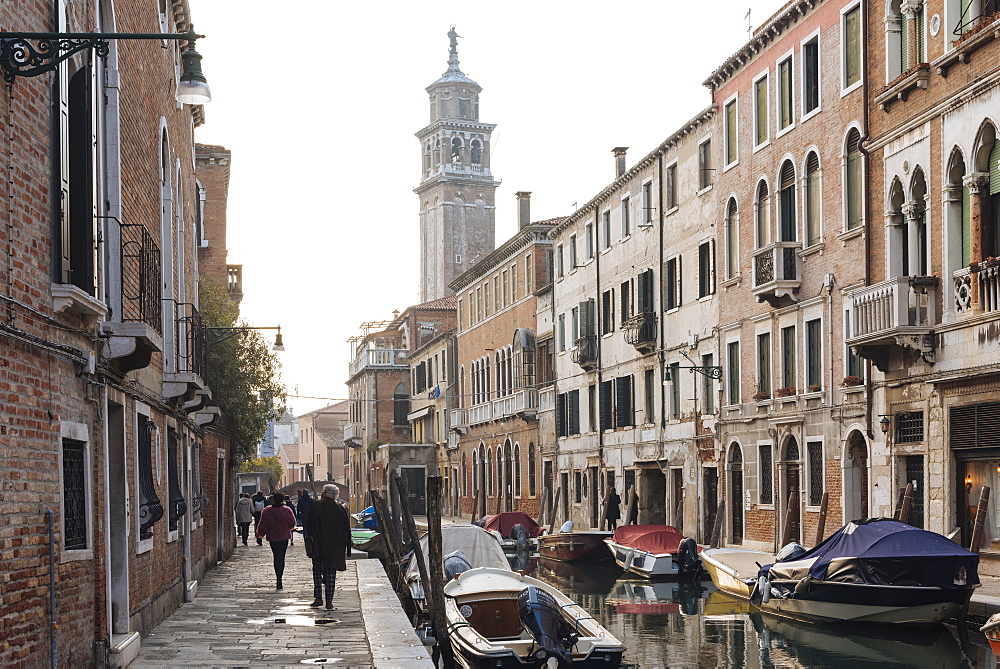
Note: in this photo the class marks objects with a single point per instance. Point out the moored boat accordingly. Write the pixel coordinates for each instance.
(655, 550)
(567, 546)
(992, 631)
(459, 542)
(734, 570)
(500, 618)
(871, 571)
(514, 529)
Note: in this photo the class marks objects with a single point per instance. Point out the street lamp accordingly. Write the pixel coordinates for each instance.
(220, 334)
(19, 57)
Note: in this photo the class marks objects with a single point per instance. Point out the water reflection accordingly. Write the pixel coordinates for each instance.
(665, 623)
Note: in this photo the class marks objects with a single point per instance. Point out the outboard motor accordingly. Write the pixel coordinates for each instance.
(554, 637)
(688, 562)
(519, 535)
(791, 551)
(566, 527)
(455, 563)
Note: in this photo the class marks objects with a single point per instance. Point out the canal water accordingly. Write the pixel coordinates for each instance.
(670, 624)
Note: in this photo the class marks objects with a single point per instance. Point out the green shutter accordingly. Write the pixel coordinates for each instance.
(966, 20)
(852, 56)
(966, 227)
(995, 168)
(904, 39)
(731, 132)
(921, 54)
(760, 104)
(853, 181)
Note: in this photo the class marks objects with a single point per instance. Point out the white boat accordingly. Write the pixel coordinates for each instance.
(501, 618)
(654, 551)
(476, 546)
(734, 570)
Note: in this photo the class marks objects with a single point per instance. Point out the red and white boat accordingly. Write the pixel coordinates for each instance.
(655, 550)
(992, 631)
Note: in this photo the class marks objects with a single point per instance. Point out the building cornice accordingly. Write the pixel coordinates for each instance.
(453, 124)
(762, 37)
(532, 234)
(693, 124)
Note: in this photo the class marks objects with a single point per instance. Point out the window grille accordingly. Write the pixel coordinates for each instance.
(815, 472)
(766, 476)
(74, 494)
(909, 427)
(178, 506)
(150, 509)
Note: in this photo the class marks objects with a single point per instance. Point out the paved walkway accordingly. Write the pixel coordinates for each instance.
(238, 619)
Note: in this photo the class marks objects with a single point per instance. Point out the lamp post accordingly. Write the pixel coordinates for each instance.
(215, 335)
(26, 54)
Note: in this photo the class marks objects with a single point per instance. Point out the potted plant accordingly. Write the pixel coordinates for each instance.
(787, 391)
(813, 388)
(761, 396)
(851, 381)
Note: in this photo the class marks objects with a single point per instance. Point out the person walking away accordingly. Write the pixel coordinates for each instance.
(276, 524)
(614, 511)
(302, 510)
(330, 537)
(295, 513)
(244, 514)
(259, 502)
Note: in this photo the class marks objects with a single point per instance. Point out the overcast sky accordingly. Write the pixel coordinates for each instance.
(319, 101)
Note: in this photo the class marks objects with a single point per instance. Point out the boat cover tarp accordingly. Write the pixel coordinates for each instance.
(481, 549)
(655, 539)
(882, 552)
(505, 522)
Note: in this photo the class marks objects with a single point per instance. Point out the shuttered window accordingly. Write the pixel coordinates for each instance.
(645, 290)
(787, 202)
(919, 24)
(607, 405)
(810, 76)
(573, 412)
(995, 168)
(706, 268)
(813, 194)
(561, 415)
(625, 300)
(854, 183)
(814, 355)
(733, 371)
(852, 47)
(623, 402)
(675, 390)
(975, 426)
(732, 240)
(764, 363)
(762, 214)
(671, 187)
(760, 111)
(788, 363)
(731, 133)
(904, 44)
(586, 312)
(785, 93)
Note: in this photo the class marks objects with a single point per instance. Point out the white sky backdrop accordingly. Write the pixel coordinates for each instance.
(319, 100)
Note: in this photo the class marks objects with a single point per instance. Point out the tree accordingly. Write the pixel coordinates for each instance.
(270, 465)
(242, 372)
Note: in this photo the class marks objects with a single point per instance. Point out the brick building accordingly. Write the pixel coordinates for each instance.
(929, 320)
(212, 193)
(104, 415)
(497, 412)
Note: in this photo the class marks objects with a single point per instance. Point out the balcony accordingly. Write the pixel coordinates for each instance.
(977, 289)
(353, 433)
(481, 413)
(139, 334)
(189, 343)
(546, 399)
(640, 331)
(899, 312)
(522, 403)
(379, 358)
(972, 33)
(777, 273)
(585, 352)
(458, 420)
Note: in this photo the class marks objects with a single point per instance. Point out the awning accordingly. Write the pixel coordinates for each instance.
(419, 413)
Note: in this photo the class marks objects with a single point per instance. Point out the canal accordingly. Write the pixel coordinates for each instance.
(670, 624)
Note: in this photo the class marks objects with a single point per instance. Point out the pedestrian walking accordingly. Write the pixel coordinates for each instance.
(295, 513)
(259, 501)
(276, 524)
(302, 510)
(613, 512)
(328, 544)
(244, 514)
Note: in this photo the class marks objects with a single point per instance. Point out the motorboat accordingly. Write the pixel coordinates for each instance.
(501, 618)
(516, 530)
(871, 571)
(366, 518)
(655, 550)
(734, 570)
(460, 543)
(992, 632)
(568, 545)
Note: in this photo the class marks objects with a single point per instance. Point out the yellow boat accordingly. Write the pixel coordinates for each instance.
(734, 570)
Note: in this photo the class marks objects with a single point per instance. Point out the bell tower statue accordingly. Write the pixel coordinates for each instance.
(456, 191)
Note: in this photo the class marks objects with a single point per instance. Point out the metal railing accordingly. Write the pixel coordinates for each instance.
(190, 340)
(141, 277)
(585, 353)
(988, 9)
(640, 330)
(899, 303)
(776, 262)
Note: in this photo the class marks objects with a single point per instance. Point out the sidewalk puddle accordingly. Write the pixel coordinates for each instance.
(322, 660)
(302, 621)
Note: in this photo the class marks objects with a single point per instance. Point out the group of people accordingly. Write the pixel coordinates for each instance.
(325, 525)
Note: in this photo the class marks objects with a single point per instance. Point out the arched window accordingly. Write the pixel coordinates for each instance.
(489, 471)
(786, 203)
(523, 353)
(532, 485)
(477, 152)
(915, 260)
(852, 180)
(476, 485)
(813, 200)
(987, 161)
(732, 240)
(500, 463)
(517, 470)
(400, 405)
(762, 215)
(456, 150)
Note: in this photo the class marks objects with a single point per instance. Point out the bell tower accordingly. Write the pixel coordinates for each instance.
(457, 190)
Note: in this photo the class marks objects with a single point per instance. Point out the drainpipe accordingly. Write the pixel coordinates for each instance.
(866, 204)
(53, 651)
(597, 336)
(659, 299)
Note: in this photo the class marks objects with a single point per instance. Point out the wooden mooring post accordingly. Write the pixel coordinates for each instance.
(786, 530)
(604, 511)
(821, 524)
(633, 500)
(434, 590)
(542, 519)
(555, 510)
(720, 514)
(980, 523)
(392, 556)
(906, 505)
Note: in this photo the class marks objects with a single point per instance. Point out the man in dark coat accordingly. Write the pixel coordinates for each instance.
(614, 511)
(329, 529)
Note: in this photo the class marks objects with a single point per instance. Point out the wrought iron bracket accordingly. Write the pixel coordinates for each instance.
(711, 371)
(20, 57)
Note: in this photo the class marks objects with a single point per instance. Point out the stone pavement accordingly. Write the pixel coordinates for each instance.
(238, 619)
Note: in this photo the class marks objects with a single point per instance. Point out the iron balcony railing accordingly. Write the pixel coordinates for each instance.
(141, 277)
(985, 12)
(585, 352)
(190, 338)
(640, 330)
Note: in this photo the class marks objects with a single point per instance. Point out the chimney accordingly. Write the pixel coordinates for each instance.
(619, 152)
(523, 209)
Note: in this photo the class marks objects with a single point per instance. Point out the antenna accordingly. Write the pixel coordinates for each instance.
(749, 28)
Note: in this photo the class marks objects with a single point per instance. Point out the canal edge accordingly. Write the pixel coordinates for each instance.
(391, 638)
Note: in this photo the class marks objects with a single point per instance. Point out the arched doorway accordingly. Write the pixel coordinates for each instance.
(856, 478)
(792, 499)
(736, 491)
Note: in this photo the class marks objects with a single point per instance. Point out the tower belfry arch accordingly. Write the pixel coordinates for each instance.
(457, 192)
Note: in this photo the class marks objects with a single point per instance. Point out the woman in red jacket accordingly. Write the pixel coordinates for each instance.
(276, 524)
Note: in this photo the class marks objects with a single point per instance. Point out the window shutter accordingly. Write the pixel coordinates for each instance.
(642, 294)
(966, 226)
(573, 408)
(921, 57)
(711, 266)
(852, 57)
(679, 274)
(561, 415)
(731, 132)
(606, 406)
(904, 43)
(64, 227)
(995, 168)
(853, 180)
(623, 401)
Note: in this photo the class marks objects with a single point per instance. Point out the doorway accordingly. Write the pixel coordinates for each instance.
(711, 491)
(914, 466)
(564, 486)
(652, 497)
(416, 487)
(736, 491)
(677, 495)
(118, 504)
(793, 492)
(856, 478)
(596, 495)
